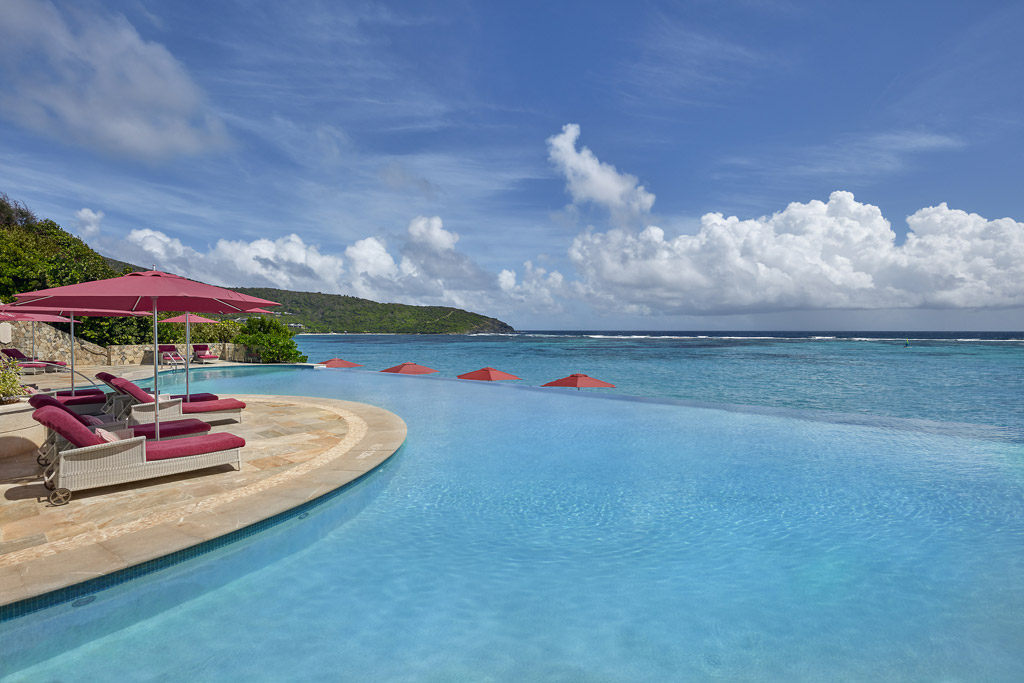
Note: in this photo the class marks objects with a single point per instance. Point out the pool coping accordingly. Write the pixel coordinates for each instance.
(373, 436)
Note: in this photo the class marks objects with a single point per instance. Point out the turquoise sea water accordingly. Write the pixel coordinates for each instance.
(945, 376)
(861, 519)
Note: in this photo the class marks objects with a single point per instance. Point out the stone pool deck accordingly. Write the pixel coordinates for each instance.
(297, 449)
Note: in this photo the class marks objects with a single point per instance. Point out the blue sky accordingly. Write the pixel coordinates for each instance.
(753, 164)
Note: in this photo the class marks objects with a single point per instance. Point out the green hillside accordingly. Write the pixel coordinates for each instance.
(337, 313)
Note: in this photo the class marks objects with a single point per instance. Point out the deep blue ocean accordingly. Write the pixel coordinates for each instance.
(958, 377)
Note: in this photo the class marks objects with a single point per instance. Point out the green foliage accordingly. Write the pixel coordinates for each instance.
(9, 384)
(270, 340)
(337, 313)
(38, 254)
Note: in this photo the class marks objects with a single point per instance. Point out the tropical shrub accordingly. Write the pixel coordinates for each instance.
(10, 387)
(270, 340)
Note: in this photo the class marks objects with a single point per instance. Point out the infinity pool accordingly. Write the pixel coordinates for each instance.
(525, 534)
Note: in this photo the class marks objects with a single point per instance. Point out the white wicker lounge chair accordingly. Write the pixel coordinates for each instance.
(144, 409)
(95, 462)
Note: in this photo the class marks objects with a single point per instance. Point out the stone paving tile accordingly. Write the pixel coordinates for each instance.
(319, 445)
(20, 543)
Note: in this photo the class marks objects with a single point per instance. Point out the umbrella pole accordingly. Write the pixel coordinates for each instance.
(156, 377)
(188, 346)
(72, 353)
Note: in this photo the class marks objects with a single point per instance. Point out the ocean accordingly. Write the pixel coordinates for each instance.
(969, 378)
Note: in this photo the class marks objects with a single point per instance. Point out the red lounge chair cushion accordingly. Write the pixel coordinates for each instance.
(132, 389)
(16, 354)
(31, 365)
(197, 397)
(79, 392)
(142, 396)
(172, 428)
(66, 425)
(88, 399)
(40, 400)
(192, 445)
(193, 407)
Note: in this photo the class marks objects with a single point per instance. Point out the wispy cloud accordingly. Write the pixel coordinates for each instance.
(845, 160)
(681, 64)
(91, 80)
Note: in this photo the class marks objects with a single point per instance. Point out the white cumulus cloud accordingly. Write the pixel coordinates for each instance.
(839, 254)
(286, 263)
(588, 179)
(88, 222)
(92, 80)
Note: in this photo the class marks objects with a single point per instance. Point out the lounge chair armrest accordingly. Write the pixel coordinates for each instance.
(125, 452)
(143, 413)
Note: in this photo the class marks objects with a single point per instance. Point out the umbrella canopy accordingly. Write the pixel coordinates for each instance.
(149, 290)
(260, 310)
(145, 291)
(186, 318)
(339, 363)
(487, 375)
(410, 369)
(15, 316)
(578, 380)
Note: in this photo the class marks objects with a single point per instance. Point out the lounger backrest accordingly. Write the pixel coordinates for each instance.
(166, 347)
(200, 348)
(106, 378)
(67, 426)
(132, 389)
(15, 354)
(40, 400)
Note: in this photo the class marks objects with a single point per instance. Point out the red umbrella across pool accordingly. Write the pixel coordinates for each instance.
(339, 363)
(487, 375)
(578, 380)
(410, 369)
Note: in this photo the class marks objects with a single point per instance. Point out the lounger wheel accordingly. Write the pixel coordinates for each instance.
(42, 460)
(60, 496)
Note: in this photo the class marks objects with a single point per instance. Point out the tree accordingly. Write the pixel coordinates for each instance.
(270, 340)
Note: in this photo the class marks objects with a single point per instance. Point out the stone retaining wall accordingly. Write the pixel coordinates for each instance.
(53, 344)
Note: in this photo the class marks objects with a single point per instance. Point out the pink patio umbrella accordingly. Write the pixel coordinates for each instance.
(578, 380)
(487, 374)
(339, 363)
(410, 369)
(188, 319)
(144, 291)
(70, 313)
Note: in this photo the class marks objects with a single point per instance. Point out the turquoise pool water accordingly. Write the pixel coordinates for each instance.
(525, 534)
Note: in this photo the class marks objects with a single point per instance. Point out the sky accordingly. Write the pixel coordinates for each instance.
(688, 165)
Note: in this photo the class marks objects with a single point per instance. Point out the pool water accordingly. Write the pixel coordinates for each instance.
(526, 534)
